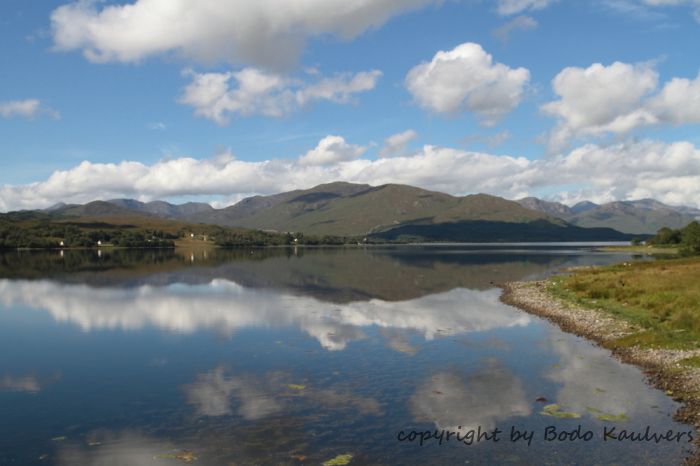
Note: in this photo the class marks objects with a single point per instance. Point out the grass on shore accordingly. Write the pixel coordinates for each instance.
(662, 298)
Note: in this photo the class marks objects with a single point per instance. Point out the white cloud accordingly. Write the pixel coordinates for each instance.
(678, 102)
(629, 170)
(28, 108)
(395, 145)
(519, 23)
(257, 92)
(269, 33)
(512, 7)
(467, 79)
(437, 168)
(616, 99)
(669, 173)
(331, 150)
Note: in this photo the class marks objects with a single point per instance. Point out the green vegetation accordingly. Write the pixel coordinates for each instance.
(661, 298)
(340, 460)
(39, 231)
(228, 237)
(687, 238)
(46, 234)
(554, 410)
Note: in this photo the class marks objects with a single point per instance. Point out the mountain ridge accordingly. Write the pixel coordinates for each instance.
(390, 212)
(643, 216)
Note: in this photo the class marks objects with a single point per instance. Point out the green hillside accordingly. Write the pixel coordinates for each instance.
(346, 210)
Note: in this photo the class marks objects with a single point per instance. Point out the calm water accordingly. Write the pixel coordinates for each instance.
(296, 357)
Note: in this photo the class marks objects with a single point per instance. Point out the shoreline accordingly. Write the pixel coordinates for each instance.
(661, 366)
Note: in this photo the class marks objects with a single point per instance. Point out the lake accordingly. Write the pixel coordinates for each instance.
(305, 356)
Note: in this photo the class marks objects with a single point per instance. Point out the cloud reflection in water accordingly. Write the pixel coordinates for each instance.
(225, 306)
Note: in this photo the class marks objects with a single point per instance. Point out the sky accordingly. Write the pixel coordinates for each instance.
(217, 100)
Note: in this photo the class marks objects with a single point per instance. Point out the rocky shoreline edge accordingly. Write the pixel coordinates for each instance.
(661, 366)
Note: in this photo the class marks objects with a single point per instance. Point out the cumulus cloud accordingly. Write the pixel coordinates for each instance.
(28, 108)
(269, 33)
(466, 79)
(669, 172)
(512, 7)
(436, 168)
(396, 144)
(616, 99)
(258, 92)
(331, 150)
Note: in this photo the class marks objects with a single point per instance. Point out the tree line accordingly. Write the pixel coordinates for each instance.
(687, 238)
(47, 234)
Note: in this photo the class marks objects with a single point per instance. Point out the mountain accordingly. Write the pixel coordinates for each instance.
(691, 211)
(555, 209)
(91, 209)
(164, 209)
(583, 206)
(644, 216)
(389, 212)
(632, 217)
(347, 209)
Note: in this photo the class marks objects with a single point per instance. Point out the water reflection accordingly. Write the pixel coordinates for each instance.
(212, 394)
(464, 401)
(331, 275)
(26, 383)
(226, 307)
(254, 397)
(591, 382)
(160, 355)
(107, 448)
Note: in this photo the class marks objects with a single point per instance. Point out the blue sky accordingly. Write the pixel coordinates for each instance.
(101, 100)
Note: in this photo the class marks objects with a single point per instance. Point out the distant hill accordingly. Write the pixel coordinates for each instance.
(389, 212)
(164, 209)
(348, 209)
(583, 206)
(645, 216)
(555, 209)
(91, 209)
